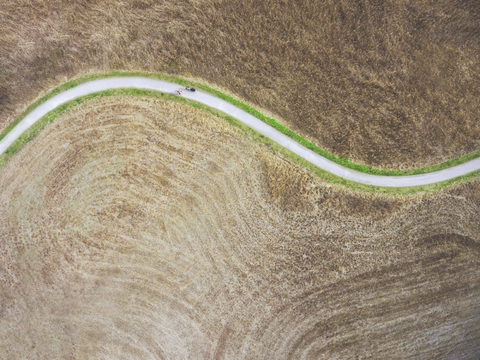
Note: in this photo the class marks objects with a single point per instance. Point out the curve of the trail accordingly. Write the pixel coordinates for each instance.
(249, 120)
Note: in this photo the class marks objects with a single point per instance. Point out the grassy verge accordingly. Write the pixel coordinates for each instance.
(47, 119)
(248, 109)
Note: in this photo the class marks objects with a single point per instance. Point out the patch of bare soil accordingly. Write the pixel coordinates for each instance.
(385, 83)
(137, 228)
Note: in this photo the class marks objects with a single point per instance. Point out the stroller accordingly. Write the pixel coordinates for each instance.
(190, 89)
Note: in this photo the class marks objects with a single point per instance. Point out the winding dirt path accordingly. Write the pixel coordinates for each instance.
(249, 120)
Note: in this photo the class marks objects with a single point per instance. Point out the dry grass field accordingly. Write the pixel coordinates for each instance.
(135, 228)
(391, 84)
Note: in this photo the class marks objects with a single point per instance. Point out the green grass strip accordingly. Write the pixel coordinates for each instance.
(252, 134)
(341, 161)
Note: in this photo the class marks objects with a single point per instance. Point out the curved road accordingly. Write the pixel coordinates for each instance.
(251, 121)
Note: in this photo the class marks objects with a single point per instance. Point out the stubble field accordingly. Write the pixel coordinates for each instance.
(389, 84)
(140, 228)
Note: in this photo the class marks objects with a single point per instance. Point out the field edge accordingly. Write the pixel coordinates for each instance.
(31, 133)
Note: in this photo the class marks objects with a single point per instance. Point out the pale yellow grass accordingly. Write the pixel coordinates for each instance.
(138, 228)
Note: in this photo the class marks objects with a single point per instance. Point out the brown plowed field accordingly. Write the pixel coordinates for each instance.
(138, 228)
(391, 84)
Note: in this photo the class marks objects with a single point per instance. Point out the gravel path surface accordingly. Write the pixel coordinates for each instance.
(256, 124)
